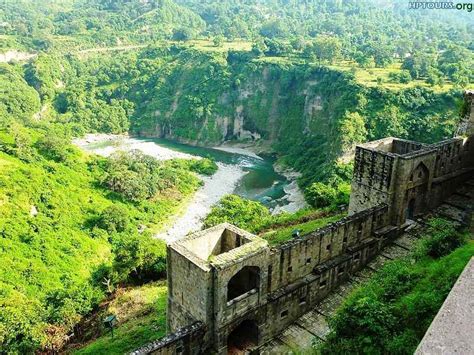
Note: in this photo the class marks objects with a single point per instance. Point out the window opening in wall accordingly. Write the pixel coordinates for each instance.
(302, 300)
(242, 282)
(284, 314)
(322, 284)
(340, 270)
(179, 350)
(328, 247)
(411, 177)
(308, 261)
(357, 256)
(290, 268)
(344, 240)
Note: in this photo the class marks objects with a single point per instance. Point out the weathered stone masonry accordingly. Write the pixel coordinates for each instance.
(230, 289)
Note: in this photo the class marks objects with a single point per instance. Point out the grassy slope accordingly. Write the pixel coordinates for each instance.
(65, 201)
(142, 318)
(406, 295)
(281, 235)
(49, 258)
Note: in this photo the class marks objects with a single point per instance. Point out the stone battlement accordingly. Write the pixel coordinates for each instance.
(243, 292)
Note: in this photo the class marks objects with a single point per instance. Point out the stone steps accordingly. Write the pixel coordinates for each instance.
(315, 322)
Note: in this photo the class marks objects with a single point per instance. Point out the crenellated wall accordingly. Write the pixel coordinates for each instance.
(297, 258)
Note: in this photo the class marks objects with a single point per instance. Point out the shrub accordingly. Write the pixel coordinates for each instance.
(243, 213)
(441, 238)
(320, 195)
(203, 166)
(138, 257)
(54, 148)
(114, 219)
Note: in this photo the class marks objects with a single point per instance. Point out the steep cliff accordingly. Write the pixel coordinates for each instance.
(308, 114)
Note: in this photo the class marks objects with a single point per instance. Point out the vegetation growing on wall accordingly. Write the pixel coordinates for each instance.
(391, 313)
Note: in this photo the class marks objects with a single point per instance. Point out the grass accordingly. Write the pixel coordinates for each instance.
(368, 77)
(141, 313)
(282, 235)
(391, 312)
(208, 45)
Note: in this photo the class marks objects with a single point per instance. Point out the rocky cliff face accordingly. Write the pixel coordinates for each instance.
(251, 102)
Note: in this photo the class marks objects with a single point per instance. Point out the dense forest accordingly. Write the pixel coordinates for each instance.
(301, 80)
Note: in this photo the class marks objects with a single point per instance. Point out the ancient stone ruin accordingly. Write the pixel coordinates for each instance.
(230, 292)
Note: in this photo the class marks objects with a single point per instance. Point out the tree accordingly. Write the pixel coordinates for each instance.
(243, 213)
(183, 34)
(218, 41)
(274, 29)
(54, 147)
(114, 219)
(320, 195)
(259, 48)
(327, 48)
(298, 43)
(276, 47)
(352, 130)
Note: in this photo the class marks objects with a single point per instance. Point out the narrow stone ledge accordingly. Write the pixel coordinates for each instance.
(452, 330)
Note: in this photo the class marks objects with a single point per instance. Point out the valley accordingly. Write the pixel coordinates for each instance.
(127, 125)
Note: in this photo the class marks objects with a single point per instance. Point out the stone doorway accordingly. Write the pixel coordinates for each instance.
(243, 338)
(410, 212)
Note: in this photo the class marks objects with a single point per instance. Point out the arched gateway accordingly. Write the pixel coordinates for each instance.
(243, 338)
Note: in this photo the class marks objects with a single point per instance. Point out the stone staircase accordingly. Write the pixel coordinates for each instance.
(313, 326)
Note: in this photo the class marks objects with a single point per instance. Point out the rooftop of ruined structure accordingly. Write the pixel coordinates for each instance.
(394, 146)
(219, 245)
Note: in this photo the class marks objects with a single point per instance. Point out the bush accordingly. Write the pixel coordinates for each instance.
(139, 177)
(54, 148)
(203, 166)
(114, 219)
(320, 195)
(138, 257)
(243, 213)
(443, 238)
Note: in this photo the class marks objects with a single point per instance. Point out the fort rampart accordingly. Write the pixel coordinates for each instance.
(230, 289)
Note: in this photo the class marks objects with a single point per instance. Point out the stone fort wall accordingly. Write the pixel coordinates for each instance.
(394, 180)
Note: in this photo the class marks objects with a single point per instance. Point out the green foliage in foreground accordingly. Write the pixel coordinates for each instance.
(66, 241)
(391, 313)
(142, 318)
(256, 218)
(243, 213)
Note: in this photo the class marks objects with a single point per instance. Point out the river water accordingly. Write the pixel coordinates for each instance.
(240, 172)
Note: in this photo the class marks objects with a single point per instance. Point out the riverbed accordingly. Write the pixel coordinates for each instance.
(240, 171)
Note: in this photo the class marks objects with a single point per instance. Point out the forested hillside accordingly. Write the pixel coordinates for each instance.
(72, 226)
(308, 114)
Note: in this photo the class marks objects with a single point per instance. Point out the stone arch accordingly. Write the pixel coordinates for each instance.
(246, 280)
(420, 173)
(243, 337)
(416, 195)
